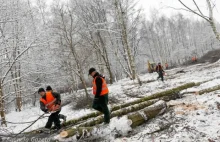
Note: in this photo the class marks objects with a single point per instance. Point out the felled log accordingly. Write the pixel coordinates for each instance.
(133, 108)
(208, 90)
(203, 91)
(80, 119)
(119, 113)
(150, 112)
(76, 131)
(167, 93)
(136, 119)
(156, 95)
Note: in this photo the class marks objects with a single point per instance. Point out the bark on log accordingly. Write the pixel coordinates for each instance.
(137, 118)
(208, 90)
(156, 95)
(150, 112)
(118, 113)
(203, 91)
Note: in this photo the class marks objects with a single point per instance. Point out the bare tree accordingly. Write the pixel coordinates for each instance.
(18, 38)
(66, 30)
(209, 18)
(94, 19)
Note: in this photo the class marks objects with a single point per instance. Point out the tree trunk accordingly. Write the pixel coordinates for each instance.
(2, 107)
(124, 35)
(137, 118)
(211, 20)
(105, 57)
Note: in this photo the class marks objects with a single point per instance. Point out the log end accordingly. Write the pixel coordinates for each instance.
(129, 122)
(63, 134)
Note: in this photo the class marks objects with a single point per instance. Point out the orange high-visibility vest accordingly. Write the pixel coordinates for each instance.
(49, 102)
(104, 87)
(193, 58)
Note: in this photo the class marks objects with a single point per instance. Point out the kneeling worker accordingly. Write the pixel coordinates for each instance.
(50, 103)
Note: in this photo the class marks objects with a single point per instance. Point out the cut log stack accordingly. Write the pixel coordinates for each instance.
(150, 106)
(138, 111)
(136, 118)
(165, 95)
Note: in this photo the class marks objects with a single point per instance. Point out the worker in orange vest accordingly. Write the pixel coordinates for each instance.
(49, 89)
(50, 103)
(194, 59)
(160, 71)
(166, 65)
(100, 90)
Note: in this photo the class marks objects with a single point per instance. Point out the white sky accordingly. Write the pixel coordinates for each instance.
(163, 7)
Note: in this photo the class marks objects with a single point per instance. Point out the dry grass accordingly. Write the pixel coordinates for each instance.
(83, 102)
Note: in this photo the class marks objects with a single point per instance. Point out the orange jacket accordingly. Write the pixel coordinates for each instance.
(104, 87)
(194, 58)
(49, 102)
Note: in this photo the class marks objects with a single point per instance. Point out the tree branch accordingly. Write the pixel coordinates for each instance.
(198, 7)
(2, 80)
(194, 11)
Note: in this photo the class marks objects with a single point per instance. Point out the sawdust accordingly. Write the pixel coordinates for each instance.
(185, 108)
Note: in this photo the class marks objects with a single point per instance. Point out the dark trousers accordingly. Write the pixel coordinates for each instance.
(160, 75)
(53, 118)
(61, 116)
(101, 105)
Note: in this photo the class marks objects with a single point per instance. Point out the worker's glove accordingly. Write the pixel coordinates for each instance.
(46, 111)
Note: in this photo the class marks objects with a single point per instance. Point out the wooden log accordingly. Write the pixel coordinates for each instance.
(155, 96)
(169, 92)
(119, 113)
(150, 112)
(137, 118)
(79, 131)
(208, 90)
(203, 91)
(165, 95)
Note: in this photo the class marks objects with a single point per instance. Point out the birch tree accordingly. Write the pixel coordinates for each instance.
(209, 18)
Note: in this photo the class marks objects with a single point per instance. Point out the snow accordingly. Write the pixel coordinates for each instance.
(201, 121)
(192, 118)
(33, 113)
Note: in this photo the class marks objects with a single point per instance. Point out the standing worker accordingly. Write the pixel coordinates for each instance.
(50, 103)
(160, 71)
(166, 65)
(100, 90)
(194, 59)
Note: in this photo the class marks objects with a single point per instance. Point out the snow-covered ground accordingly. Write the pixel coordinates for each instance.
(192, 118)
